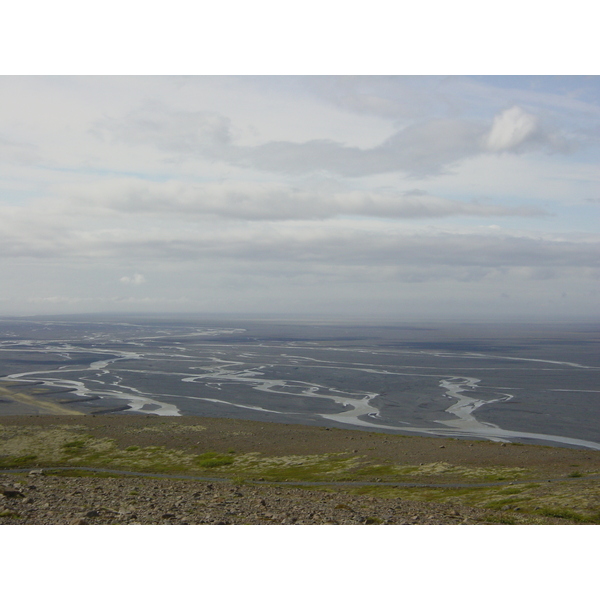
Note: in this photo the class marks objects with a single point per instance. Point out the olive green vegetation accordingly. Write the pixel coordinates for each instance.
(519, 503)
(210, 460)
(575, 499)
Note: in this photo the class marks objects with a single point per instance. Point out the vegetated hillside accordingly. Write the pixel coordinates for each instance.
(257, 468)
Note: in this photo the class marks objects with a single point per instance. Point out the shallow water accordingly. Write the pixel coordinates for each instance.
(538, 383)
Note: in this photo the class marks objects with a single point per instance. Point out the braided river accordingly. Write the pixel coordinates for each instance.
(532, 385)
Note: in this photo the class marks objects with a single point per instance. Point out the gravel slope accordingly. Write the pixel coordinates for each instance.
(56, 500)
(47, 498)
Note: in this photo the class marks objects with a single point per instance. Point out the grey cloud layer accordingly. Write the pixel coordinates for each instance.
(269, 201)
(299, 243)
(424, 148)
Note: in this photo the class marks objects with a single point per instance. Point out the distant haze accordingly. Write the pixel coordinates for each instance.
(413, 197)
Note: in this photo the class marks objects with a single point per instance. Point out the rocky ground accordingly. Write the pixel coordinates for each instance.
(39, 499)
(256, 462)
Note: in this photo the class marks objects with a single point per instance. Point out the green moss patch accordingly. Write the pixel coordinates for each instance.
(14, 462)
(316, 467)
(210, 460)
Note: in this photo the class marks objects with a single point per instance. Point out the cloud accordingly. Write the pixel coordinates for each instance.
(268, 201)
(383, 96)
(200, 183)
(511, 128)
(136, 279)
(422, 148)
(19, 153)
(304, 245)
(180, 132)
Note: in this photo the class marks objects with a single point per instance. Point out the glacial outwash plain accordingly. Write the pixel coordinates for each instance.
(189, 420)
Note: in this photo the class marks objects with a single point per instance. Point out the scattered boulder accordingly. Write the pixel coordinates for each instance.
(11, 493)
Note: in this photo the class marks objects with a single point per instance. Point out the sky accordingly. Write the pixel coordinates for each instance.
(410, 197)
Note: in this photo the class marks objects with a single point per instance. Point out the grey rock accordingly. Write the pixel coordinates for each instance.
(11, 493)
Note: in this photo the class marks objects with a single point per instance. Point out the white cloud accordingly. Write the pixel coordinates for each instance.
(426, 146)
(135, 279)
(511, 128)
